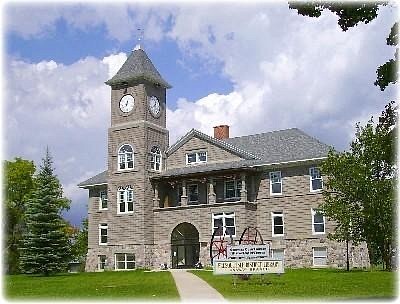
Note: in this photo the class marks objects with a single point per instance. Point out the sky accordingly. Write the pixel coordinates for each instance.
(256, 66)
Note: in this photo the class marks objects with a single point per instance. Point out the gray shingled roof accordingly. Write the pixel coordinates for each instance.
(99, 179)
(269, 148)
(281, 146)
(138, 67)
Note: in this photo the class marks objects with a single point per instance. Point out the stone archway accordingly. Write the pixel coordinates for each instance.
(185, 246)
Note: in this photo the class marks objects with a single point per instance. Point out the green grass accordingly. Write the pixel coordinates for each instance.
(304, 284)
(137, 285)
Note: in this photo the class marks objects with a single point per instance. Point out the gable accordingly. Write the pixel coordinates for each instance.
(215, 154)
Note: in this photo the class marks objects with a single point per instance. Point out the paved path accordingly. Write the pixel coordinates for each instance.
(193, 289)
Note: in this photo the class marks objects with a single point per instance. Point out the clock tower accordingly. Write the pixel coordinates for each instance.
(137, 140)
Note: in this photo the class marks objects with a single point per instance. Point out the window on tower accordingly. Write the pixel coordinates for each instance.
(125, 157)
(155, 159)
(125, 199)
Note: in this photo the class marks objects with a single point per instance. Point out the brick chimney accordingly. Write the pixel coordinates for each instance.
(221, 132)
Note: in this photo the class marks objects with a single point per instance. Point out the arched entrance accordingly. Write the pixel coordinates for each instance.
(185, 246)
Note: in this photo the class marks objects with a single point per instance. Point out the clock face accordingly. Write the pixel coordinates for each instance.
(126, 103)
(154, 106)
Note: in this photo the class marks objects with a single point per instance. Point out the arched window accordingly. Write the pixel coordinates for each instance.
(155, 158)
(125, 157)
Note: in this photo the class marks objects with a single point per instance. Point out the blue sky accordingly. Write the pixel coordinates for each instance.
(257, 67)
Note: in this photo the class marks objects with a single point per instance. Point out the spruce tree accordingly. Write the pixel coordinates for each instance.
(45, 245)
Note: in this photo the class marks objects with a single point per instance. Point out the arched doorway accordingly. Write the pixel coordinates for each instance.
(185, 246)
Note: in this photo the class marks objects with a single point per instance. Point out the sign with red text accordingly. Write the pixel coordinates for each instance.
(259, 266)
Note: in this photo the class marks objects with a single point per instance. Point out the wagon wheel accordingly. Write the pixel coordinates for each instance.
(219, 243)
(251, 236)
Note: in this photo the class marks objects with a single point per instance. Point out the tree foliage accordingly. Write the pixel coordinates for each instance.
(359, 193)
(18, 187)
(349, 15)
(44, 248)
(79, 242)
(387, 73)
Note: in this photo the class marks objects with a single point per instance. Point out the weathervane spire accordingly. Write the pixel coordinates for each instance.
(140, 35)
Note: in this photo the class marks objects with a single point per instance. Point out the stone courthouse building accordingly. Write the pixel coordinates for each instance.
(160, 203)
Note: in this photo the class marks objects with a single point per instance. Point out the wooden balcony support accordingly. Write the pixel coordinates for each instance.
(211, 192)
(243, 191)
(184, 197)
(156, 199)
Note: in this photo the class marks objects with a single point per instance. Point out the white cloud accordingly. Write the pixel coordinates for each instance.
(114, 62)
(120, 20)
(287, 70)
(65, 107)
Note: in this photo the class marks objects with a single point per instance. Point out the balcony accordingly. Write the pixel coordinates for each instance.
(188, 192)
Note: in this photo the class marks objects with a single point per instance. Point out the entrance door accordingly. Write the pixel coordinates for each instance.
(185, 246)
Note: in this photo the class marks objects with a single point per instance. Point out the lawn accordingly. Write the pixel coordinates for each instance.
(137, 285)
(305, 284)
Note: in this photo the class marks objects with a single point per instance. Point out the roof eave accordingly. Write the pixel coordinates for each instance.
(87, 186)
(291, 162)
(161, 177)
(117, 81)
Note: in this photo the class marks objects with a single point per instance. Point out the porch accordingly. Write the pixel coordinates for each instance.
(206, 189)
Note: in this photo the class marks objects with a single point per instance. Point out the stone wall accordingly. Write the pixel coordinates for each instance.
(143, 256)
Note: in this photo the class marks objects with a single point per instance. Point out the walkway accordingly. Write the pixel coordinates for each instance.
(193, 289)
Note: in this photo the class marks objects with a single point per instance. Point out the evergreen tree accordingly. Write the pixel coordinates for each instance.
(44, 247)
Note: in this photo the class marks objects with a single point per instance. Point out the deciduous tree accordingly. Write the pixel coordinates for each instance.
(359, 194)
(18, 187)
(79, 243)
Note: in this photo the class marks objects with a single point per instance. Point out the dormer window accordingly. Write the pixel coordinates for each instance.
(125, 157)
(196, 157)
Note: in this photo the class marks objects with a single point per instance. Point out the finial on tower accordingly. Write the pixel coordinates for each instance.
(139, 39)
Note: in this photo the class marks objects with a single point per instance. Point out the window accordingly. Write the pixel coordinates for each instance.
(193, 193)
(315, 180)
(275, 183)
(103, 234)
(124, 261)
(226, 221)
(320, 256)
(103, 201)
(278, 254)
(125, 157)
(196, 157)
(318, 222)
(277, 224)
(155, 159)
(232, 189)
(125, 199)
(102, 260)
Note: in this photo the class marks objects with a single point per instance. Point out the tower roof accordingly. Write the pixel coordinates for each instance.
(138, 66)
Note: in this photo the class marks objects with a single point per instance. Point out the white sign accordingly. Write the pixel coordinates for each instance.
(248, 266)
(248, 252)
